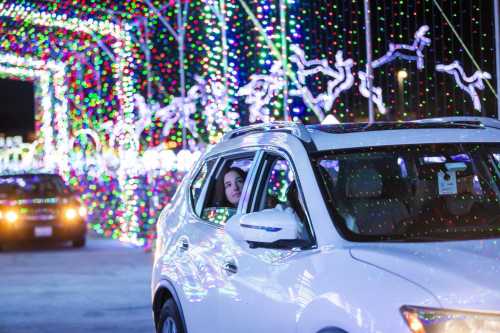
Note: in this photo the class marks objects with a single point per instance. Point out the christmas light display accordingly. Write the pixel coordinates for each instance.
(51, 79)
(468, 84)
(222, 80)
(122, 45)
(52, 118)
(116, 117)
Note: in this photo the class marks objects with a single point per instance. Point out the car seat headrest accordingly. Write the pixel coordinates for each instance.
(364, 183)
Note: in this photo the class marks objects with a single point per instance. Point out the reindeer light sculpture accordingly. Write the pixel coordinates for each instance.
(466, 83)
(343, 79)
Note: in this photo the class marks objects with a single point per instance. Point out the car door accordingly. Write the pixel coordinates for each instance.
(269, 286)
(196, 265)
(182, 233)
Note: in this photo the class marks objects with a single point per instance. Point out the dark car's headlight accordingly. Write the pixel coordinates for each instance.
(82, 211)
(429, 320)
(70, 213)
(10, 216)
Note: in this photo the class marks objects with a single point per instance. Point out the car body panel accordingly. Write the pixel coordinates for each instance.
(301, 290)
(461, 274)
(356, 287)
(188, 270)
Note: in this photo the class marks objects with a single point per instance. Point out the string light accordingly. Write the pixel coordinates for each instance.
(108, 112)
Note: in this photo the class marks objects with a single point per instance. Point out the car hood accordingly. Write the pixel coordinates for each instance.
(463, 275)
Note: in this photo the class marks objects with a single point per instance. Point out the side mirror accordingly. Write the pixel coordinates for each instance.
(265, 227)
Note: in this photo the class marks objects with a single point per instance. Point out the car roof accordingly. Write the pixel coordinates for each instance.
(433, 130)
(358, 135)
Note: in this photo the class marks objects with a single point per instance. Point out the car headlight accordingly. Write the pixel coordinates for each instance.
(82, 211)
(70, 213)
(11, 216)
(429, 320)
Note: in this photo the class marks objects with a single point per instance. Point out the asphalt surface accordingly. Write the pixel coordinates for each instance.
(103, 287)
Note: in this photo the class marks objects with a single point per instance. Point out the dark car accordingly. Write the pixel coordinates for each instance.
(40, 206)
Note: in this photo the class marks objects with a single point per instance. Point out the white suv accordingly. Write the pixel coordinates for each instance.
(389, 227)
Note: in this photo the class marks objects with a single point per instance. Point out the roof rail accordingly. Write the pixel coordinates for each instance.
(478, 121)
(297, 129)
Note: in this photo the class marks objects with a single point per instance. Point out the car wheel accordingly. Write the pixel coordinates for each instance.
(79, 242)
(170, 320)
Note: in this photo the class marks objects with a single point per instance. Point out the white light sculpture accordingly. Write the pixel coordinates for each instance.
(376, 94)
(260, 90)
(214, 99)
(343, 79)
(469, 84)
(179, 110)
(413, 52)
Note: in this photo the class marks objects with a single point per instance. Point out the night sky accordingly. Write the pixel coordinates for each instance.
(17, 115)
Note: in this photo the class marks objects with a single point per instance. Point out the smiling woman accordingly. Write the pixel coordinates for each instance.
(17, 115)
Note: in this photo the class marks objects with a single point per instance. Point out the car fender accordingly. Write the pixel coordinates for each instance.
(166, 288)
(317, 317)
(360, 298)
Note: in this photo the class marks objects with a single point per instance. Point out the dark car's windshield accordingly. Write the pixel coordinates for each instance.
(29, 186)
(413, 193)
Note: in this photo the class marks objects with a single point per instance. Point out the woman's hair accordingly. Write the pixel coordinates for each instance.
(220, 191)
(237, 170)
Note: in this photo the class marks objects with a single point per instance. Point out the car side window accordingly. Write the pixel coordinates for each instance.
(199, 182)
(226, 189)
(278, 181)
(279, 190)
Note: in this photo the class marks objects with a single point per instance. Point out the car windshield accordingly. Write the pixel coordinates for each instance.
(413, 193)
(29, 186)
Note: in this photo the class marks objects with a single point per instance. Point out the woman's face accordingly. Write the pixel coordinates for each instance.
(233, 184)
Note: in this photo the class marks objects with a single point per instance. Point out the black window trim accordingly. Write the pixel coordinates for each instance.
(336, 219)
(195, 174)
(257, 189)
(220, 160)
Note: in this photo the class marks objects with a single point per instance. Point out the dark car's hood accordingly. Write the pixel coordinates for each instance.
(17, 201)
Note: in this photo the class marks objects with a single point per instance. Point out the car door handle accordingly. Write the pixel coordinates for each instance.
(230, 267)
(183, 245)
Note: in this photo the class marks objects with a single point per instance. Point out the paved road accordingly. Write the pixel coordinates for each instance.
(103, 287)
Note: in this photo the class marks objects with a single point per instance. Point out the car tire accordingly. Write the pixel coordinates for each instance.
(332, 330)
(80, 242)
(169, 320)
